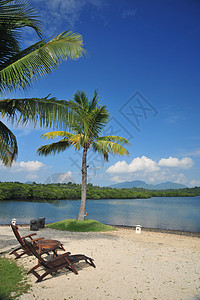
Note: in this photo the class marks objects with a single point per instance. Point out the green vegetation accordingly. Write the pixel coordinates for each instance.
(72, 191)
(86, 123)
(13, 282)
(80, 226)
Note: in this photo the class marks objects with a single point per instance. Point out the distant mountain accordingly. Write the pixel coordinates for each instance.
(59, 178)
(144, 185)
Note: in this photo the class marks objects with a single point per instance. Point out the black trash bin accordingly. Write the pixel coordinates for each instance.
(41, 222)
(34, 225)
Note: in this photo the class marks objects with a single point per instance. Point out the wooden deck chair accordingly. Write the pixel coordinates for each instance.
(65, 260)
(23, 249)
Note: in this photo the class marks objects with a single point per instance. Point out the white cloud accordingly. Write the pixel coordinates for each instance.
(32, 176)
(121, 178)
(181, 179)
(22, 166)
(195, 182)
(66, 176)
(128, 13)
(195, 152)
(64, 11)
(22, 170)
(28, 166)
(151, 171)
(153, 178)
(175, 118)
(174, 162)
(138, 164)
(119, 167)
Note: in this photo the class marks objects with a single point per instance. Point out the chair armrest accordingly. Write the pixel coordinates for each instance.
(56, 248)
(61, 256)
(35, 240)
(44, 251)
(29, 235)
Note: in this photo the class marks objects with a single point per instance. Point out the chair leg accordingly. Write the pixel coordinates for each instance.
(36, 275)
(40, 278)
(34, 268)
(16, 249)
(70, 266)
(17, 255)
(61, 246)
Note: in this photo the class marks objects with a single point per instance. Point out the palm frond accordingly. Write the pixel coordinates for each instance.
(94, 101)
(77, 141)
(39, 60)
(54, 134)
(108, 147)
(81, 99)
(54, 148)
(43, 111)
(78, 121)
(98, 147)
(14, 15)
(115, 139)
(89, 118)
(97, 121)
(8, 145)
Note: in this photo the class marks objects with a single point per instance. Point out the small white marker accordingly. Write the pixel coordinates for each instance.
(138, 229)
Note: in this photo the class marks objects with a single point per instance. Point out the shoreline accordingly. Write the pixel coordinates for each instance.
(167, 231)
(147, 229)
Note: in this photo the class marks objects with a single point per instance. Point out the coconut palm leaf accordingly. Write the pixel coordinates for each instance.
(8, 145)
(108, 147)
(14, 15)
(54, 134)
(42, 111)
(115, 139)
(54, 148)
(75, 140)
(98, 120)
(88, 116)
(38, 60)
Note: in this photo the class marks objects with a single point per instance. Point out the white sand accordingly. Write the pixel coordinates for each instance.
(128, 266)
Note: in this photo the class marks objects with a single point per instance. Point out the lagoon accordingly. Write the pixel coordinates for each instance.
(172, 213)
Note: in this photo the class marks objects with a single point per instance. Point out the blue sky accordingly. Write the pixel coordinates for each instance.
(143, 57)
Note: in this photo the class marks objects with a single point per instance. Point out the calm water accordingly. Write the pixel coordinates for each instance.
(176, 213)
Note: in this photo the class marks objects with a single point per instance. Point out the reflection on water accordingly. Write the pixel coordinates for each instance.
(176, 213)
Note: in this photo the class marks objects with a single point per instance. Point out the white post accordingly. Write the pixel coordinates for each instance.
(138, 229)
(13, 221)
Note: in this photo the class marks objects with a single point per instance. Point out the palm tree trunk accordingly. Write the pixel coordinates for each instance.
(81, 214)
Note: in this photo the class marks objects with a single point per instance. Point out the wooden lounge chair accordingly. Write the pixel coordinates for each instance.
(23, 249)
(65, 260)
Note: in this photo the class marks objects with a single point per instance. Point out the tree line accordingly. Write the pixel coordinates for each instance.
(72, 191)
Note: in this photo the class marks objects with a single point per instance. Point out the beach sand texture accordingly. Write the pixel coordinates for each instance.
(129, 266)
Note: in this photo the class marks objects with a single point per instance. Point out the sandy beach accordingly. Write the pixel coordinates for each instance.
(150, 265)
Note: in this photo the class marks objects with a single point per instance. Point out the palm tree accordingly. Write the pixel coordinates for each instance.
(20, 67)
(88, 119)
